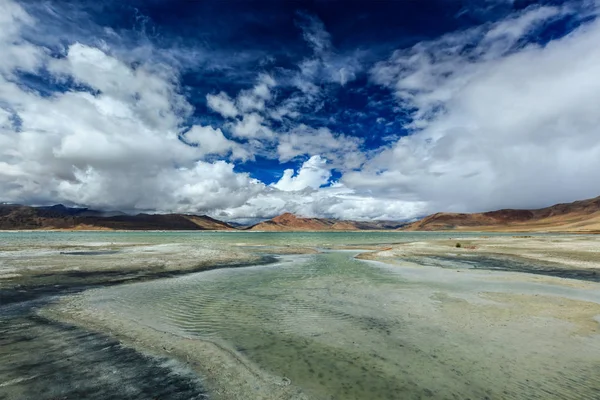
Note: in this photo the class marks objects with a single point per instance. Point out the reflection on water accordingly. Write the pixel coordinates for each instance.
(341, 329)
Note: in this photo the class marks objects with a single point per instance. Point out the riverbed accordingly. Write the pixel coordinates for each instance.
(299, 317)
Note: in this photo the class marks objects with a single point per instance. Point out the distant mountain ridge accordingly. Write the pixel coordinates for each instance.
(291, 222)
(578, 216)
(59, 217)
(19, 217)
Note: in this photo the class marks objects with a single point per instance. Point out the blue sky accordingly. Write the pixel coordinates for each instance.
(244, 110)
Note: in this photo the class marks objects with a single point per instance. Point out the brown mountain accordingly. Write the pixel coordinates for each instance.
(291, 222)
(579, 216)
(14, 217)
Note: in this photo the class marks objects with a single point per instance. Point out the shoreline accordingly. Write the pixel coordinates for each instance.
(219, 364)
(574, 251)
(223, 371)
(449, 231)
(536, 304)
(20, 292)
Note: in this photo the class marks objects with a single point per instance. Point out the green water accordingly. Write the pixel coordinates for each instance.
(340, 328)
(325, 239)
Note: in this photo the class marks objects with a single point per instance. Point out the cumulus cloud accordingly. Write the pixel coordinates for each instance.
(314, 173)
(303, 140)
(495, 124)
(495, 120)
(16, 52)
(200, 187)
(425, 76)
(255, 98)
(110, 141)
(335, 201)
(248, 106)
(247, 100)
(212, 141)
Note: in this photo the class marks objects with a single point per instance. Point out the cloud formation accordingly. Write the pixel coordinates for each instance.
(497, 115)
(222, 104)
(112, 139)
(497, 122)
(313, 174)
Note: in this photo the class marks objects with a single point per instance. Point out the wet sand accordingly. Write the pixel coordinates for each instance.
(411, 321)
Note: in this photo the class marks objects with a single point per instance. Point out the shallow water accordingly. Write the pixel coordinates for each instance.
(35, 239)
(505, 263)
(332, 326)
(43, 359)
(340, 328)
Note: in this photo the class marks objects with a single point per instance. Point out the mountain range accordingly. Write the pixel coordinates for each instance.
(13, 216)
(579, 216)
(59, 217)
(291, 222)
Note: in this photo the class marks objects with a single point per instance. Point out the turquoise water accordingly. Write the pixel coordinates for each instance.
(35, 238)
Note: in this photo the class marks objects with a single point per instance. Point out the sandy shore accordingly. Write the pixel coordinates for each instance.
(577, 251)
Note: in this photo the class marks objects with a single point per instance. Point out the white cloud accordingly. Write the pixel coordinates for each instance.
(335, 201)
(314, 32)
(428, 74)
(325, 64)
(202, 186)
(112, 145)
(495, 126)
(16, 52)
(222, 104)
(343, 150)
(212, 141)
(495, 123)
(152, 92)
(252, 126)
(255, 99)
(314, 173)
(248, 105)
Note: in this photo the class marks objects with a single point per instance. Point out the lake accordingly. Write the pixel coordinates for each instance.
(314, 326)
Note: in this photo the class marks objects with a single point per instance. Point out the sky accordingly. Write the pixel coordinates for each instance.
(243, 110)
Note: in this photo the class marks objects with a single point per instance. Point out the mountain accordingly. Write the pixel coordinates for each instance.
(291, 222)
(81, 212)
(579, 216)
(14, 216)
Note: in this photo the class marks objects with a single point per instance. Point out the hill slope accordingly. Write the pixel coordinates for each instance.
(290, 222)
(14, 217)
(579, 216)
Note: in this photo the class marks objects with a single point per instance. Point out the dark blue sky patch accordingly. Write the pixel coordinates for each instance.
(266, 170)
(47, 85)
